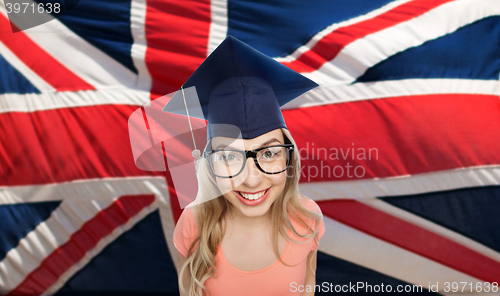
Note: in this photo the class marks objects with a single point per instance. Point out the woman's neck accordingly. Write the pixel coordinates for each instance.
(244, 222)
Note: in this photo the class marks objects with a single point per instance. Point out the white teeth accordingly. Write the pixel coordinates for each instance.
(253, 196)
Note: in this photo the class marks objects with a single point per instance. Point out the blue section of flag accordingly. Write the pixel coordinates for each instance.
(12, 81)
(17, 220)
(106, 25)
(277, 28)
(138, 260)
(471, 52)
(336, 271)
(472, 212)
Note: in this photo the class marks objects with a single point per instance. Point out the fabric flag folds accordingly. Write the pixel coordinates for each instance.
(399, 143)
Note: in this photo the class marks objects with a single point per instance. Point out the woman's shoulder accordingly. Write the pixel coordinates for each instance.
(187, 220)
(185, 231)
(314, 223)
(317, 224)
(309, 204)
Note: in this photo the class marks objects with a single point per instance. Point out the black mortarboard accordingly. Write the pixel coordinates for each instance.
(242, 87)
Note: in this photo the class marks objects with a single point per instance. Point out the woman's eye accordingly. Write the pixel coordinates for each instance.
(229, 157)
(269, 153)
(226, 157)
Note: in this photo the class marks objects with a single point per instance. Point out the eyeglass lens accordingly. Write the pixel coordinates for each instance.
(228, 163)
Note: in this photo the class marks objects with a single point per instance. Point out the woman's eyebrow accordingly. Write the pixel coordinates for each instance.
(269, 142)
(222, 146)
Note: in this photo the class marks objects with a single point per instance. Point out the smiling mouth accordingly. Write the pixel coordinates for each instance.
(254, 196)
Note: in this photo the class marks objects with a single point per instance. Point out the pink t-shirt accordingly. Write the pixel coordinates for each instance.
(274, 280)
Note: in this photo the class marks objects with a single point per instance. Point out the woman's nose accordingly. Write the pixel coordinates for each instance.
(254, 176)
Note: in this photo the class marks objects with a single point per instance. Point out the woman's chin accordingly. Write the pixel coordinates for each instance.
(254, 212)
(251, 208)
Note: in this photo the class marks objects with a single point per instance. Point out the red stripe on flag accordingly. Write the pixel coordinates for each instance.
(67, 144)
(400, 136)
(82, 241)
(411, 237)
(412, 135)
(177, 36)
(40, 62)
(329, 46)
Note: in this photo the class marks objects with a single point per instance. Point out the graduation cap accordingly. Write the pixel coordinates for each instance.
(240, 87)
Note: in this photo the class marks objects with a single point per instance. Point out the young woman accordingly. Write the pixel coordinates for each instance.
(256, 235)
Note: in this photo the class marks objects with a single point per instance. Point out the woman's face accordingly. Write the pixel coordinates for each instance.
(252, 192)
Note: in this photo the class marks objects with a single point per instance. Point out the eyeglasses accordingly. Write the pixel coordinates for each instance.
(229, 163)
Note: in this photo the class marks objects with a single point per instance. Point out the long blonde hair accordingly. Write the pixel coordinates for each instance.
(200, 262)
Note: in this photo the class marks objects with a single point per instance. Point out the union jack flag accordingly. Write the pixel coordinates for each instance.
(400, 142)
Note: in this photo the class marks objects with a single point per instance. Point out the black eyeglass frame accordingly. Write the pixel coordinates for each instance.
(252, 154)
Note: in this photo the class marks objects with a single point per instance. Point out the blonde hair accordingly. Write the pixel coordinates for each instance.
(200, 262)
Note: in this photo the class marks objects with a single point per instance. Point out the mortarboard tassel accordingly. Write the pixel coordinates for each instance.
(196, 152)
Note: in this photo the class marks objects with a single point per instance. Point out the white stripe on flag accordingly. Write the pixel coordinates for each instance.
(316, 38)
(324, 95)
(433, 227)
(351, 244)
(103, 243)
(68, 99)
(218, 25)
(14, 61)
(85, 189)
(95, 194)
(138, 21)
(79, 56)
(45, 238)
(404, 185)
(354, 59)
